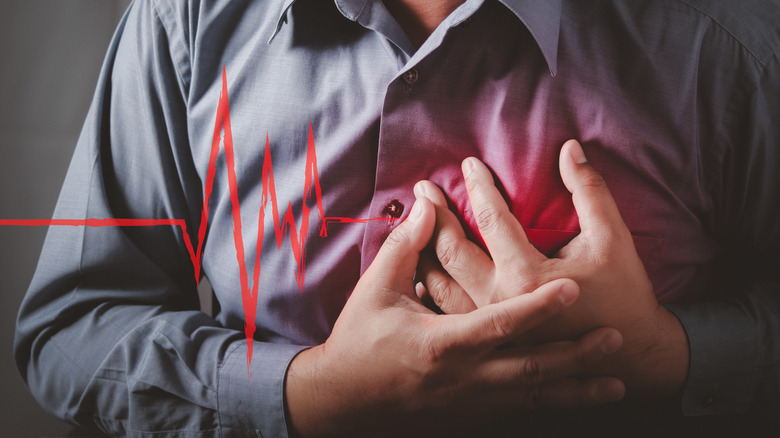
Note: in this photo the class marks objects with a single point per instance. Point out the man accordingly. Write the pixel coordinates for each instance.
(672, 102)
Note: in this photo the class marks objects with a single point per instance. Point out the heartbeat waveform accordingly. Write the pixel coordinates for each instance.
(297, 239)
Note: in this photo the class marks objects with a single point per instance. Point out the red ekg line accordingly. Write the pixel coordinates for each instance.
(297, 240)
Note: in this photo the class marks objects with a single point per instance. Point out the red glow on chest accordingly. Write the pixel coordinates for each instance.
(543, 207)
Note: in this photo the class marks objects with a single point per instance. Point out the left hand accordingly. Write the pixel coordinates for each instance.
(615, 289)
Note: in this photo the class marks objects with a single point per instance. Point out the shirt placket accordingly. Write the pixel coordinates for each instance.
(403, 158)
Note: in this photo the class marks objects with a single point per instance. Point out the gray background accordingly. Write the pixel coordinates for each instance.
(50, 56)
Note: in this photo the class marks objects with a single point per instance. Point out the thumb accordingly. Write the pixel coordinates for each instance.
(595, 206)
(396, 262)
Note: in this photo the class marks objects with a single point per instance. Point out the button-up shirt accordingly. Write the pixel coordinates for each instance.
(674, 104)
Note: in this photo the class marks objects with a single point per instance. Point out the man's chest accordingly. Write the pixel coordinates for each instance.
(378, 129)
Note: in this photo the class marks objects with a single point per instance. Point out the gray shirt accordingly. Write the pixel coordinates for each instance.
(675, 103)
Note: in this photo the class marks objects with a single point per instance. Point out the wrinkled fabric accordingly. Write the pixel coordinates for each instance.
(674, 103)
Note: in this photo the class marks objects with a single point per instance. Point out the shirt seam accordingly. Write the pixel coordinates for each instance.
(221, 365)
(729, 123)
(85, 214)
(726, 30)
(357, 16)
(183, 48)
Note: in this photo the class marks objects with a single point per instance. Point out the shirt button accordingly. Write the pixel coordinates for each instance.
(709, 401)
(410, 76)
(394, 209)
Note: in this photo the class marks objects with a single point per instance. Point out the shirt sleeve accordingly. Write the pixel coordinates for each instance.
(735, 337)
(110, 335)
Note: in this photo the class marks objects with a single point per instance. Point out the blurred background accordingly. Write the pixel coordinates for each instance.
(50, 55)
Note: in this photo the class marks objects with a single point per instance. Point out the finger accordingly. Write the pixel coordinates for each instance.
(430, 191)
(425, 298)
(527, 365)
(445, 292)
(595, 206)
(502, 233)
(463, 260)
(395, 263)
(576, 393)
(422, 292)
(499, 323)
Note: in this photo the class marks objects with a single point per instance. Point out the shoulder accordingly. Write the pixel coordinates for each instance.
(201, 35)
(192, 16)
(754, 24)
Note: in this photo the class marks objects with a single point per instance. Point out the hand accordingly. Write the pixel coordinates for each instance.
(392, 366)
(615, 289)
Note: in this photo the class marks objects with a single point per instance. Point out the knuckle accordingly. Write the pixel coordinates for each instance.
(448, 251)
(488, 219)
(396, 239)
(582, 360)
(435, 352)
(600, 248)
(593, 180)
(502, 323)
(531, 371)
(448, 301)
(524, 279)
(430, 363)
(495, 221)
(440, 291)
(436, 286)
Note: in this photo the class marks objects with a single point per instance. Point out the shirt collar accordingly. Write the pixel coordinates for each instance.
(352, 8)
(541, 18)
(281, 14)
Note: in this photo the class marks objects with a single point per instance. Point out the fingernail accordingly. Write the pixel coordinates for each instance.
(467, 166)
(419, 189)
(420, 290)
(611, 342)
(425, 189)
(611, 391)
(575, 150)
(415, 213)
(568, 292)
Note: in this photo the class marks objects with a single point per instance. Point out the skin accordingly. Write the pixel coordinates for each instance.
(393, 367)
(615, 289)
(419, 18)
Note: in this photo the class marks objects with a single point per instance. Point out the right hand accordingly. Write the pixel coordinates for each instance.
(393, 367)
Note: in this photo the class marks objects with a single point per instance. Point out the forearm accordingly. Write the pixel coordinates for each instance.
(128, 370)
(734, 353)
(312, 398)
(110, 334)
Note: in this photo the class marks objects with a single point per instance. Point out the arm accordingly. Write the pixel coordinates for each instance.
(735, 346)
(720, 353)
(110, 335)
(393, 367)
(615, 289)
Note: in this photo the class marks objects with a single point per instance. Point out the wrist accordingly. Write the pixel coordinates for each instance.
(306, 410)
(673, 352)
(658, 361)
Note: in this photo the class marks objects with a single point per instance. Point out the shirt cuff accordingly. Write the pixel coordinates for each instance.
(251, 400)
(722, 371)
